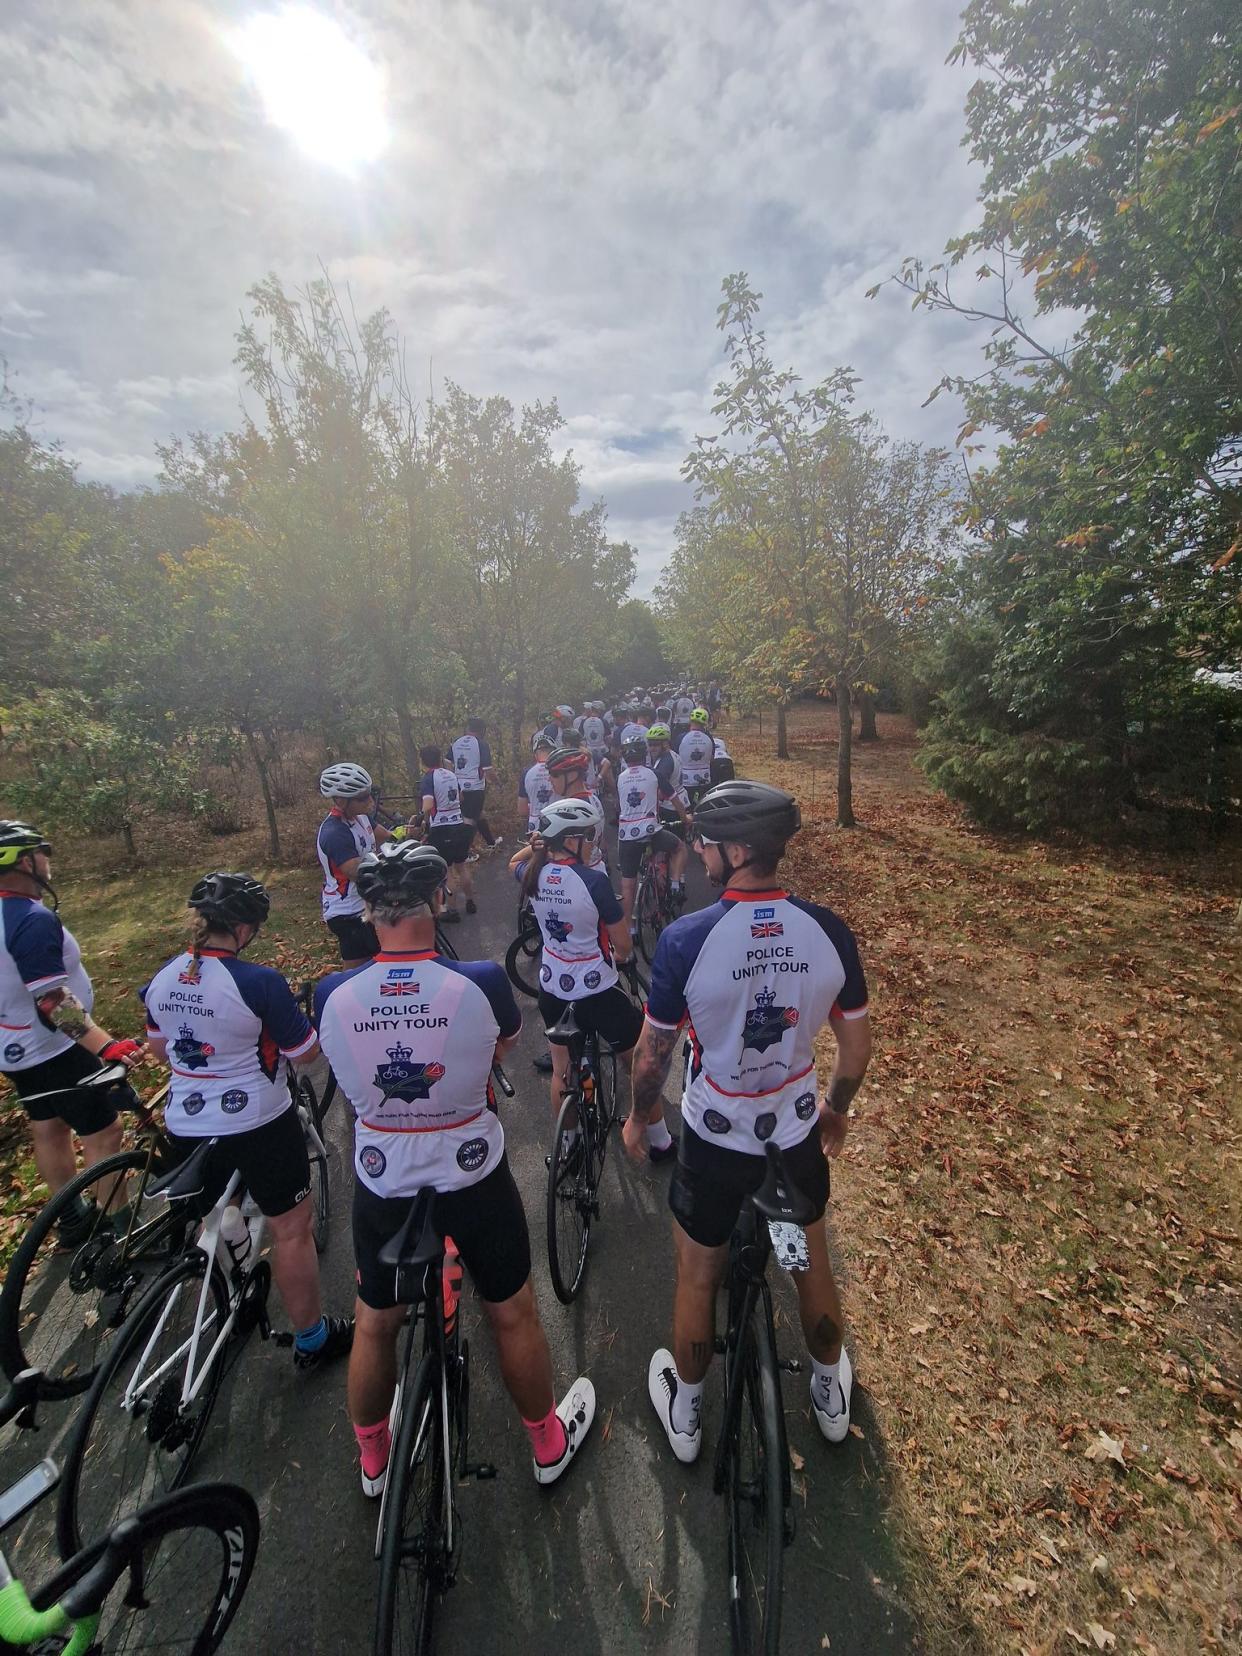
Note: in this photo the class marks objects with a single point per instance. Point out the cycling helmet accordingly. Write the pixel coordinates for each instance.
(17, 839)
(230, 900)
(564, 711)
(344, 781)
(700, 716)
(635, 750)
(565, 759)
(747, 813)
(540, 739)
(401, 870)
(566, 818)
(659, 733)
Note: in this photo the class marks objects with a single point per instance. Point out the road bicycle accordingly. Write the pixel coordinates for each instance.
(579, 1145)
(752, 1455)
(418, 1538)
(88, 1254)
(170, 1575)
(522, 959)
(654, 903)
(143, 1419)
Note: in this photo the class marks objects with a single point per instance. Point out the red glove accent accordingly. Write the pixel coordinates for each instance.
(123, 1050)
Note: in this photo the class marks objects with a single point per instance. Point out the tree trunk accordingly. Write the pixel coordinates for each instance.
(269, 804)
(409, 748)
(782, 735)
(845, 742)
(866, 717)
(131, 850)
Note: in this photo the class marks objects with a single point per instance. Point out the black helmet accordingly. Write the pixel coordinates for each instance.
(635, 750)
(400, 870)
(567, 758)
(17, 839)
(748, 813)
(231, 899)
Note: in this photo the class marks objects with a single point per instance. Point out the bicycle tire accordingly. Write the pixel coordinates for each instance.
(411, 1569)
(29, 1337)
(648, 915)
(756, 1496)
(121, 1480)
(206, 1597)
(573, 1178)
(604, 1064)
(522, 960)
(443, 946)
(320, 1184)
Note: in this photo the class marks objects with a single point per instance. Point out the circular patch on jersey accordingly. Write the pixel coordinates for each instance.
(566, 982)
(14, 1052)
(716, 1123)
(234, 1101)
(194, 1104)
(472, 1155)
(765, 1125)
(545, 974)
(804, 1106)
(591, 980)
(372, 1160)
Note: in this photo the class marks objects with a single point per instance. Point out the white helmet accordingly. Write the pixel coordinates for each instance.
(564, 711)
(566, 817)
(344, 781)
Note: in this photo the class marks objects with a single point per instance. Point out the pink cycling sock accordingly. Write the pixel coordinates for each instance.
(374, 1445)
(547, 1437)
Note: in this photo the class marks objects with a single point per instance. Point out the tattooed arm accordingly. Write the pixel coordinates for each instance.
(853, 1055)
(652, 1057)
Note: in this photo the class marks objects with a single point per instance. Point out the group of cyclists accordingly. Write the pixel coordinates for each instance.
(743, 987)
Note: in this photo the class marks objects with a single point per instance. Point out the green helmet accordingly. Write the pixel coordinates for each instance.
(659, 733)
(17, 839)
(700, 716)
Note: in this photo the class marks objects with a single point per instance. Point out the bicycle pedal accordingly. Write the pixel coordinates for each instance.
(790, 1365)
(483, 1471)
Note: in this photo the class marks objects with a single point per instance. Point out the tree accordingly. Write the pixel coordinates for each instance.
(633, 652)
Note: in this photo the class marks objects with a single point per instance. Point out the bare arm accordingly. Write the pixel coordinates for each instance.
(853, 1037)
(622, 942)
(652, 1057)
(305, 1058)
(157, 1046)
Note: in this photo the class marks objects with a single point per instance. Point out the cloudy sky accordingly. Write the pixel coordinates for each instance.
(562, 188)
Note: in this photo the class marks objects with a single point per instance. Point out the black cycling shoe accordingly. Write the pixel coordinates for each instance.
(543, 1063)
(338, 1344)
(656, 1157)
(471, 906)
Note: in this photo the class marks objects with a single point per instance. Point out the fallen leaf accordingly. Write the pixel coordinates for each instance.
(857, 1431)
(1023, 1586)
(825, 1643)
(919, 1328)
(1078, 1638)
(1049, 1546)
(1099, 1565)
(1106, 1448)
(1104, 1640)
(796, 1460)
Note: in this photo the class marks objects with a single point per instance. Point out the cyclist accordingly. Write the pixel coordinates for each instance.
(757, 975)
(683, 707)
(696, 752)
(535, 789)
(722, 764)
(594, 734)
(585, 938)
(674, 805)
(228, 1028)
(447, 831)
(639, 826)
(569, 767)
(49, 1041)
(635, 727)
(412, 1038)
(562, 720)
(472, 761)
(347, 833)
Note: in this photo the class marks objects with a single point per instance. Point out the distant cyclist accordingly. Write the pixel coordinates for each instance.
(420, 1081)
(696, 751)
(638, 825)
(447, 829)
(722, 763)
(570, 768)
(753, 979)
(472, 763)
(535, 789)
(674, 807)
(347, 833)
(585, 939)
(228, 1028)
(48, 1041)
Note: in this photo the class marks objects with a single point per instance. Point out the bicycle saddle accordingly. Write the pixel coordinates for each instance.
(417, 1243)
(567, 1027)
(186, 1179)
(778, 1198)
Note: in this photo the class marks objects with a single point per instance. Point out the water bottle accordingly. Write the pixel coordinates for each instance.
(235, 1234)
(450, 1282)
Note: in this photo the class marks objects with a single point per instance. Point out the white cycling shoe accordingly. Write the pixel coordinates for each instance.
(832, 1413)
(576, 1411)
(662, 1389)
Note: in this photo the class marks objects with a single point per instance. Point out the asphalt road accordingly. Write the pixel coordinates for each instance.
(628, 1552)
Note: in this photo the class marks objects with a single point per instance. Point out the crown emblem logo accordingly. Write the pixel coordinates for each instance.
(186, 1032)
(400, 1054)
(765, 999)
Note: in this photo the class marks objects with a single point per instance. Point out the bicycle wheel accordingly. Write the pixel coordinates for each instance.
(320, 1196)
(647, 912)
(133, 1440)
(414, 1561)
(522, 958)
(573, 1177)
(61, 1305)
(756, 1496)
(199, 1546)
(604, 1065)
(443, 946)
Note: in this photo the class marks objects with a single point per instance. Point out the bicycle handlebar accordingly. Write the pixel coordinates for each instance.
(503, 1081)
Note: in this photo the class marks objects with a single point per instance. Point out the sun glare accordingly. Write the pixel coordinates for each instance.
(315, 83)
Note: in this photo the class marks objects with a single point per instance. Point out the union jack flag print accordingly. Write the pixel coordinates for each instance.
(768, 928)
(398, 988)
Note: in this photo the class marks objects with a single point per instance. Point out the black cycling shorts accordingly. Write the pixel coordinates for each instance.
(271, 1159)
(472, 802)
(355, 936)
(722, 770)
(630, 852)
(611, 1015)
(454, 841)
(710, 1182)
(485, 1220)
(86, 1110)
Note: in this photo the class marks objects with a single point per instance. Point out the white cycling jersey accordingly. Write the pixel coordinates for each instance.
(638, 795)
(595, 736)
(37, 954)
(537, 791)
(574, 906)
(440, 785)
(340, 842)
(755, 977)
(471, 757)
(695, 754)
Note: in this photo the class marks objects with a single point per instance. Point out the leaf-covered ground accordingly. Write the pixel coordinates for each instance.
(1039, 1211)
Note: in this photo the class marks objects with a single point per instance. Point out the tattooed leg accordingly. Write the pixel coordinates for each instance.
(699, 1274)
(818, 1300)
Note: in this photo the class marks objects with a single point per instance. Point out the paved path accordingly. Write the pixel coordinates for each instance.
(628, 1553)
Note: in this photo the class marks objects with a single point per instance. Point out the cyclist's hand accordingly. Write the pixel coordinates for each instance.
(832, 1130)
(128, 1052)
(634, 1138)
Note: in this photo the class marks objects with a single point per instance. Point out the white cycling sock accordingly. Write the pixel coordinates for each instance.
(687, 1403)
(658, 1135)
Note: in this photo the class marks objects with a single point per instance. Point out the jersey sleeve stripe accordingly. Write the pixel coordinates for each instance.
(853, 1012)
(657, 1024)
(305, 1046)
(52, 981)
